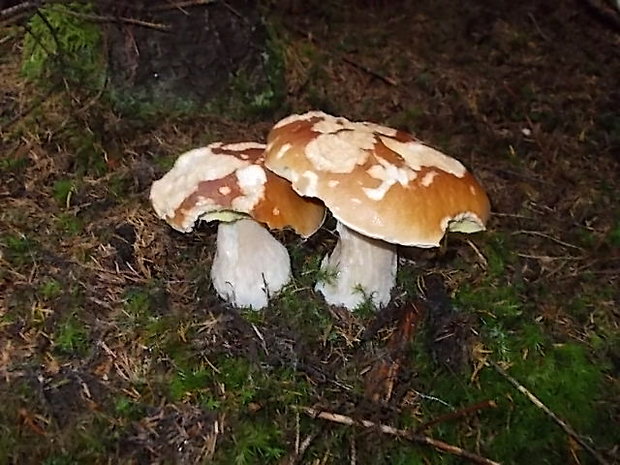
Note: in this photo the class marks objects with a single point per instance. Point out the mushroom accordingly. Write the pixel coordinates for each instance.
(228, 183)
(383, 186)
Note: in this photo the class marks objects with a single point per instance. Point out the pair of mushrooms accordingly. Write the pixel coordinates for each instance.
(383, 186)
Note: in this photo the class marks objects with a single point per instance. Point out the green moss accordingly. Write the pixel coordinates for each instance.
(50, 289)
(188, 382)
(71, 337)
(366, 309)
(496, 301)
(165, 163)
(19, 250)
(257, 442)
(62, 190)
(303, 311)
(255, 398)
(13, 165)
(69, 224)
(562, 376)
(118, 186)
(127, 408)
(137, 304)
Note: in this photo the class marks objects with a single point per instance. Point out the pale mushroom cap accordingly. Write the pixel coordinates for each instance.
(378, 181)
(224, 181)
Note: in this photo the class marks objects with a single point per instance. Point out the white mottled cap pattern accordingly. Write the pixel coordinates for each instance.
(231, 179)
(376, 180)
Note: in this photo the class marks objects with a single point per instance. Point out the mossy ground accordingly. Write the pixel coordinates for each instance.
(115, 349)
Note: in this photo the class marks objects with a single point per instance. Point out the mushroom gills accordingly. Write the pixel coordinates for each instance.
(250, 265)
(358, 268)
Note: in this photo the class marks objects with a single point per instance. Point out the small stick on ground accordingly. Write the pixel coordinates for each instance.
(295, 457)
(538, 403)
(371, 72)
(458, 414)
(400, 433)
(120, 19)
(181, 5)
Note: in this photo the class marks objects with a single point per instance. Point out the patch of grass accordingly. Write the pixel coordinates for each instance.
(142, 317)
(407, 280)
(50, 289)
(13, 165)
(495, 299)
(257, 442)
(118, 186)
(562, 376)
(69, 224)
(71, 337)
(367, 308)
(87, 443)
(303, 311)
(19, 250)
(127, 408)
(165, 163)
(261, 402)
(62, 191)
(188, 382)
(256, 399)
(137, 304)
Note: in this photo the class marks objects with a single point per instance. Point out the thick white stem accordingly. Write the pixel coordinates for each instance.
(361, 268)
(250, 265)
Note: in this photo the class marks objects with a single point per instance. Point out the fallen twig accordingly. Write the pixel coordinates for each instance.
(119, 19)
(538, 403)
(17, 9)
(400, 433)
(181, 5)
(458, 414)
(547, 236)
(371, 72)
(295, 457)
(388, 80)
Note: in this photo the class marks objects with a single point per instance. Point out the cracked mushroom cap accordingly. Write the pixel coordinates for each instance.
(226, 182)
(378, 181)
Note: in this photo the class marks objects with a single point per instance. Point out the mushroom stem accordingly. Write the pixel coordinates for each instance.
(364, 268)
(250, 265)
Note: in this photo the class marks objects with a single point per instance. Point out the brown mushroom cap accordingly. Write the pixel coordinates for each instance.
(378, 181)
(224, 181)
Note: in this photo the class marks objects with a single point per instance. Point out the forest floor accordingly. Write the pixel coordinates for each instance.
(114, 347)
